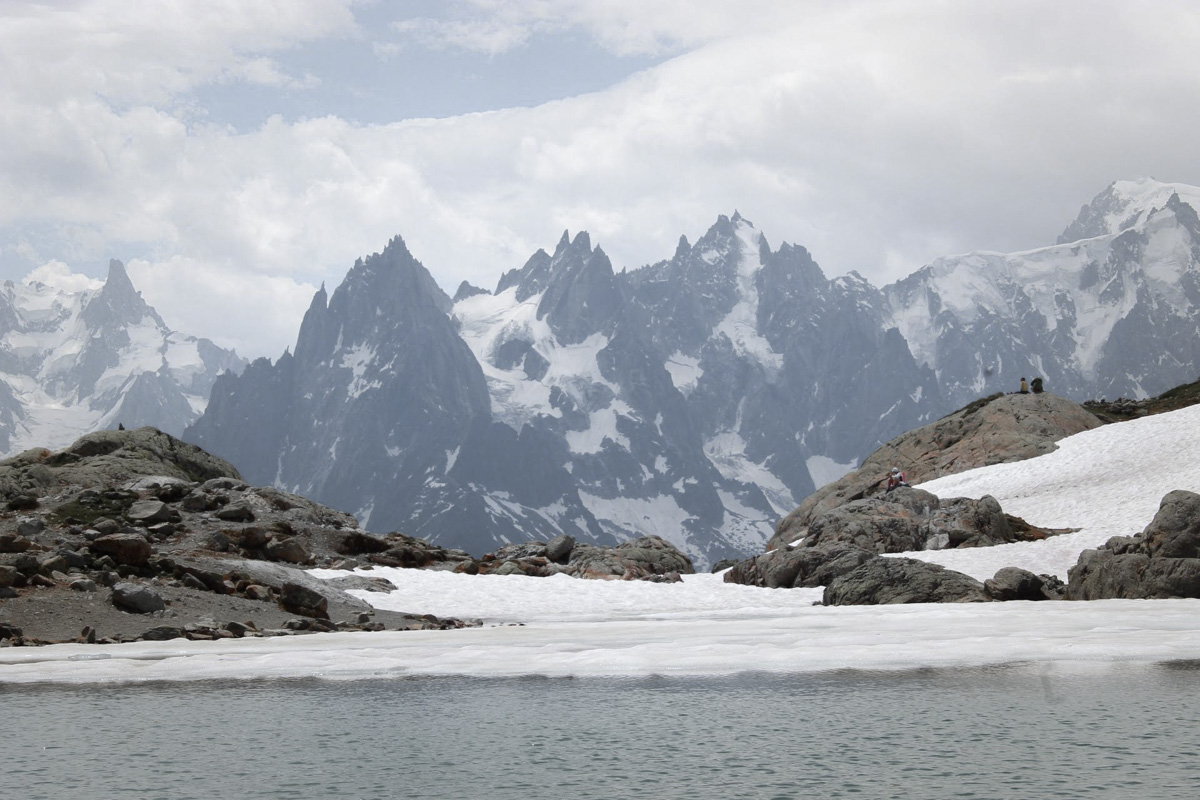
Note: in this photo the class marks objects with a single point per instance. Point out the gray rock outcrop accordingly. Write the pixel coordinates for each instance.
(885, 581)
(796, 567)
(1161, 561)
(994, 430)
(649, 558)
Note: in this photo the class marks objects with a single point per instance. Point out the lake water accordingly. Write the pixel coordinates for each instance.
(1018, 731)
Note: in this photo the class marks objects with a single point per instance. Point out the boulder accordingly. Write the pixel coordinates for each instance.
(239, 512)
(10, 576)
(559, 548)
(53, 563)
(202, 577)
(123, 548)
(1162, 561)
(13, 543)
(163, 633)
(256, 591)
(302, 600)
(1014, 583)
(883, 581)
(363, 583)
(516, 552)
(632, 560)
(28, 527)
(970, 523)
(25, 563)
(135, 598)
(145, 513)
(289, 549)
(248, 538)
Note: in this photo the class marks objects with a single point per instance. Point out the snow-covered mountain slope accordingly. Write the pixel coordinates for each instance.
(74, 360)
(698, 398)
(1105, 482)
(1124, 205)
(1116, 314)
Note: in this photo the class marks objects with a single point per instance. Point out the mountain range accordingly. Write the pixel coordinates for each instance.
(76, 360)
(698, 398)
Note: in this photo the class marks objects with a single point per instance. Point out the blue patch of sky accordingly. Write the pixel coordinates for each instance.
(358, 82)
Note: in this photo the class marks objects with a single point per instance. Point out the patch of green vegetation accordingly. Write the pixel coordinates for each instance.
(1187, 394)
(1121, 409)
(91, 505)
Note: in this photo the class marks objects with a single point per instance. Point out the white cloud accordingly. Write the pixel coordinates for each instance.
(60, 276)
(878, 135)
(253, 314)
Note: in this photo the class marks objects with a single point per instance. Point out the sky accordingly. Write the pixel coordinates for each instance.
(235, 155)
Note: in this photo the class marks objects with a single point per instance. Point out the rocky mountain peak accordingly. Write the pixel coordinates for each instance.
(682, 248)
(389, 283)
(465, 290)
(118, 303)
(581, 295)
(1125, 204)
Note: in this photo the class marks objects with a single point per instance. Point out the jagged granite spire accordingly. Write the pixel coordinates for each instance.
(118, 303)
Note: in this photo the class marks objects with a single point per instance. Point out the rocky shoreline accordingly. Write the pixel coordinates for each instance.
(129, 535)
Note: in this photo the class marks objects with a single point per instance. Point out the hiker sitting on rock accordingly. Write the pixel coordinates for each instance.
(1036, 385)
(1024, 387)
(896, 478)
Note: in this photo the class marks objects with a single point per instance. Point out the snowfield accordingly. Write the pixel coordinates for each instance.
(1104, 482)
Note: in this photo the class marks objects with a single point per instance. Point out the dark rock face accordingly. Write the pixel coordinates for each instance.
(379, 390)
(1161, 561)
(883, 581)
(632, 560)
(137, 599)
(844, 537)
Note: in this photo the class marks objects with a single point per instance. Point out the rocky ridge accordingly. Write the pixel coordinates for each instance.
(837, 536)
(843, 536)
(991, 430)
(136, 534)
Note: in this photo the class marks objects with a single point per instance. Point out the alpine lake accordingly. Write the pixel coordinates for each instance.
(1016, 731)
